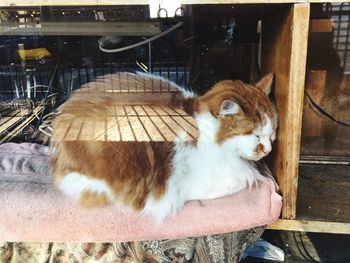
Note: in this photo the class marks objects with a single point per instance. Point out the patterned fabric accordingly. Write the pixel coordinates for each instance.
(212, 248)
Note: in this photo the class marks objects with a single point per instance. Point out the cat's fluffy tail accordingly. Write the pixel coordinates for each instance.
(161, 83)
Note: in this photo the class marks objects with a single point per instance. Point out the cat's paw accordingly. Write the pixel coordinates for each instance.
(90, 199)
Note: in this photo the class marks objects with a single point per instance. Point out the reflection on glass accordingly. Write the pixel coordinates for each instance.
(328, 83)
(46, 53)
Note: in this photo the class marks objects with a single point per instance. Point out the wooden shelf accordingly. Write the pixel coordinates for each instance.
(129, 123)
(311, 226)
(146, 2)
(323, 200)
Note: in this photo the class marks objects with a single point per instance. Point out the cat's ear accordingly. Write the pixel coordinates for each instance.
(265, 83)
(229, 107)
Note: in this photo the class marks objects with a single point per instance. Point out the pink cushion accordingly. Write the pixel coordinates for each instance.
(32, 210)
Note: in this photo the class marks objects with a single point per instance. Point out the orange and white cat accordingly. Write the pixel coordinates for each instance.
(237, 125)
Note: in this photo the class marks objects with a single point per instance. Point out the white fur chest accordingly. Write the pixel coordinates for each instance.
(209, 170)
(209, 174)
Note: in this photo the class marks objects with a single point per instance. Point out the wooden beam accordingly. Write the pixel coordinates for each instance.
(13, 3)
(82, 28)
(328, 1)
(284, 38)
(311, 226)
(258, 1)
(28, 3)
(196, 2)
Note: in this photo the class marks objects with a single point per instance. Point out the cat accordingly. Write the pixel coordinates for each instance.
(236, 122)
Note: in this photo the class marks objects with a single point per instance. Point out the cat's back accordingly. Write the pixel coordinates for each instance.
(105, 112)
(105, 95)
(95, 143)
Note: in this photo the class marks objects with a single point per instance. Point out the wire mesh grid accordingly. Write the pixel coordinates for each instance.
(340, 14)
(28, 101)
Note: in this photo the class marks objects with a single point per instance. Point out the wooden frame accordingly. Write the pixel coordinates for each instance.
(284, 53)
(13, 3)
(310, 226)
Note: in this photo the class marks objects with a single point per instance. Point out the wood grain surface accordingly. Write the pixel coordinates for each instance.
(285, 37)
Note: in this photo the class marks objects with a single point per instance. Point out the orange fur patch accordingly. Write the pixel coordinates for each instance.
(133, 170)
(253, 102)
(90, 199)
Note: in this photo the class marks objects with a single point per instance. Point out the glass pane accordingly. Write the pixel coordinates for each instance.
(326, 117)
(46, 53)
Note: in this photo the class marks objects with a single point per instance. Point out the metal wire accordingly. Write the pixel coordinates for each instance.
(46, 96)
(141, 43)
(304, 252)
(323, 112)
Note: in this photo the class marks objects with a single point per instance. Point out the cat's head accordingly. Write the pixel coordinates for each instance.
(239, 116)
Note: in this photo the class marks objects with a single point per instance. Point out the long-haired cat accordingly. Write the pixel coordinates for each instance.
(237, 125)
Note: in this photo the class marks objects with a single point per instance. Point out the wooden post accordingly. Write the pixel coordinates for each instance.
(284, 39)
